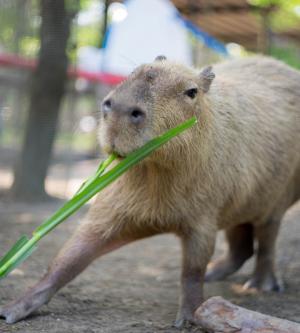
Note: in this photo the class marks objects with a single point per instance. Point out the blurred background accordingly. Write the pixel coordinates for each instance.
(59, 58)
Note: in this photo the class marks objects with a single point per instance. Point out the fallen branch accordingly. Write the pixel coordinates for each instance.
(220, 316)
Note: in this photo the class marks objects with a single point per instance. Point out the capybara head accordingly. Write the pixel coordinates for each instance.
(153, 99)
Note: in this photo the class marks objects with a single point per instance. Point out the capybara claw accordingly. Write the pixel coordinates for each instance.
(183, 323)
(266, 284)
(15, 312)
(8, 315)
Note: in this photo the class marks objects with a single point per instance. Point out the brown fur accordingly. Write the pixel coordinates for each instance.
(237, 169)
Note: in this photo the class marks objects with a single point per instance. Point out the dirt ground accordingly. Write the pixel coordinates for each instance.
(134, 289)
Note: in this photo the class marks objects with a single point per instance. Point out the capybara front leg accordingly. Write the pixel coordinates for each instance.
(197, 248)
(74, 257)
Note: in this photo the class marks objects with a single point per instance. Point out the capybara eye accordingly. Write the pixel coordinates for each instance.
(191, 93)
(137, 116)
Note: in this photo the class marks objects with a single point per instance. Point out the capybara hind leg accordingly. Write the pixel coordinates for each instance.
(264, 277)
(75, 256)
(240, 248)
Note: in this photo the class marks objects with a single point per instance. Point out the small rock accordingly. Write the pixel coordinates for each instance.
(17, 272)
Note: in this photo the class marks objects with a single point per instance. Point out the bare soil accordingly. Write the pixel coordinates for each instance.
(134, 289)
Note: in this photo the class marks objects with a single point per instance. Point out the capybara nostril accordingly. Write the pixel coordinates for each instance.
(137, 116)
(106, 107)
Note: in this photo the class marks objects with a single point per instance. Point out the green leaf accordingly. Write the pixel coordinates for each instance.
(11, 266)
(24, 239)
(98, 173)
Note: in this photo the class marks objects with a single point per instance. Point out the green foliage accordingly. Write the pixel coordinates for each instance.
(19, 27)
(24, 246)
(289, 55)
(73, 6)
(88, 35)
(29, 46)
(285, 16)
(282, 3)
(19, 21)
(266, 3)
(85, 3)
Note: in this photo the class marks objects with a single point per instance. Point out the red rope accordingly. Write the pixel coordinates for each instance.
(14, 61)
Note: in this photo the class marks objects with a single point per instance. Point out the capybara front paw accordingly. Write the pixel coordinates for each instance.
(182, 323)
(12, 313)
(17, 310)
(184, 319)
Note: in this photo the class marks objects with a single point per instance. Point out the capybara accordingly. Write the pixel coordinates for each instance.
(237, 169)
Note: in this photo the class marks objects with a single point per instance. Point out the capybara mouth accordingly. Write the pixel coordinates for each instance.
(122, 154)
(110, 150)
(118, 154)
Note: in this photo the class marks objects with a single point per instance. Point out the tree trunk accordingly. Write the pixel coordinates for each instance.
(264, 36)
(46, 93)
(105, 22)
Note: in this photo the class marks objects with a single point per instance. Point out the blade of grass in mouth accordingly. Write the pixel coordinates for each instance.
(24, 247)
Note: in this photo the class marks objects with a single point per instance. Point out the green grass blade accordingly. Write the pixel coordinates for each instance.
(24, 247)
(99, 183)
(18, 253)
(17, 261)
(98, 173)
(15, 248)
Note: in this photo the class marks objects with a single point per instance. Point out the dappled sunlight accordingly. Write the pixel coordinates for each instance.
(6, 179)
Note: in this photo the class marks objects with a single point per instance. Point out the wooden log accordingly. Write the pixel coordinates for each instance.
(220, 316)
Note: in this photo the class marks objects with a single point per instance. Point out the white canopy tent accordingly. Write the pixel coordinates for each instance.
(149, 29)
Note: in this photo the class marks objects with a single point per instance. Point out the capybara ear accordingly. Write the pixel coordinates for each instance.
(160, 58)
(206, 77)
